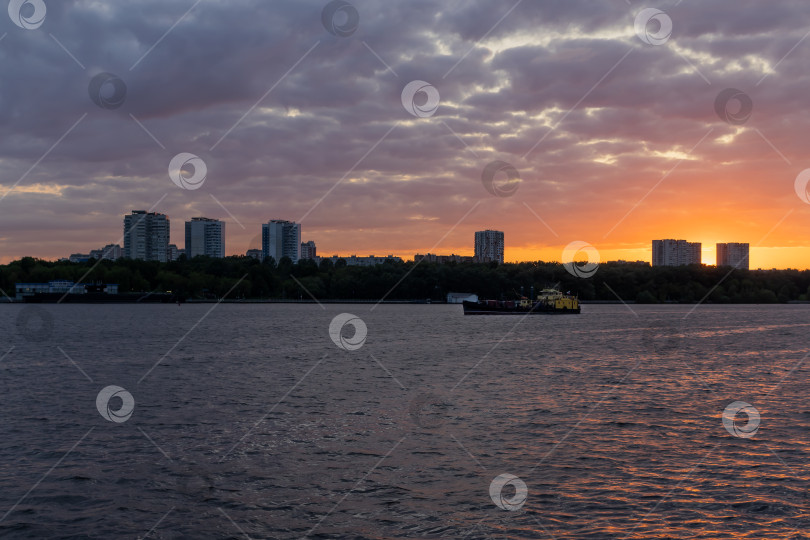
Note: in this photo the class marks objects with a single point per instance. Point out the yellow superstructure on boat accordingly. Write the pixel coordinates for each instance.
(548, 301)
(560, 301)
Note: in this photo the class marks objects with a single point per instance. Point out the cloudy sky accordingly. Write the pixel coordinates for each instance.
(620, 127)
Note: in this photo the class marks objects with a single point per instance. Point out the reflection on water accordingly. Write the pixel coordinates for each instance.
(258, 424)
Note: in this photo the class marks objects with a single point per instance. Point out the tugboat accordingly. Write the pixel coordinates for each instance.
(548, 301)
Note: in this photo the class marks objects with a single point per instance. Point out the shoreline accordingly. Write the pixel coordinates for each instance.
(388, 302)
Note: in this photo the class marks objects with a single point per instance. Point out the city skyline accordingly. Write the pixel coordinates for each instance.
(281, 237)
(708, 252)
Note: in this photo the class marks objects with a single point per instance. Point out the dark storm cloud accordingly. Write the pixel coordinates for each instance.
(499, 98)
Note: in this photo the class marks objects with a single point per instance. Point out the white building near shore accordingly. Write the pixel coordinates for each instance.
(459, 297)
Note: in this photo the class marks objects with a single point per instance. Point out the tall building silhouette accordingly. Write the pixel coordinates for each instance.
(146, 236)
(308, 250)
(281, 239)
(489, 246)
(732, 254)
(675, 252)
(205, 236)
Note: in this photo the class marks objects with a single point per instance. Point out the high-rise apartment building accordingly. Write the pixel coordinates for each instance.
(146, 236)
(205, 236)
(308, 250)
(733, 254)
(281, 239)
(675, 252)
(489, 246)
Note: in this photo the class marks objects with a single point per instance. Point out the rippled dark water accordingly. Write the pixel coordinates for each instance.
(257, 425)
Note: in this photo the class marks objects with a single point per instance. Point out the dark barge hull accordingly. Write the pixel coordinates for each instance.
(477, 308)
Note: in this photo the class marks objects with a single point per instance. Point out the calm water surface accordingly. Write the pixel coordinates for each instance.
(253, 423)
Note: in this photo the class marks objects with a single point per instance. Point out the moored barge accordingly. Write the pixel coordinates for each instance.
(549, 301)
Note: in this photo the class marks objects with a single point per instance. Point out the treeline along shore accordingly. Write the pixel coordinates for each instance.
(248, 278)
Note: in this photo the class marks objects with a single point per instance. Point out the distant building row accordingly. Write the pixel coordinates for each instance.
(110, 252)
(489, 247)
(443, 259)
(680, 252)
(147, 237)
(283, 239)
(354, 260)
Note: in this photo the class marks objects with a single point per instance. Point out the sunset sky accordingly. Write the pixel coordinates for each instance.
(617, 137)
